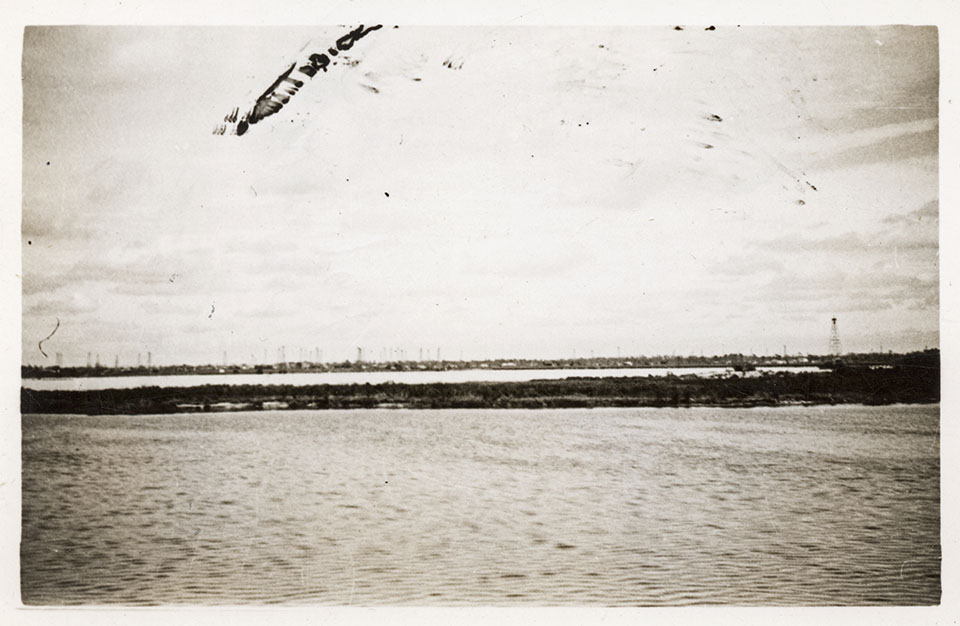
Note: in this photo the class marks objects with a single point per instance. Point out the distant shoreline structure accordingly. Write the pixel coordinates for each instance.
(913, 380)
(737, 362)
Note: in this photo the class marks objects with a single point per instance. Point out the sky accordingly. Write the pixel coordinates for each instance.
(488, 192)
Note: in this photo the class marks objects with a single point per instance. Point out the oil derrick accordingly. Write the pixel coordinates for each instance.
(835, 349)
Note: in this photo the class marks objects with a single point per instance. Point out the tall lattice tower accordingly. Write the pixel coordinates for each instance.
(835, 349)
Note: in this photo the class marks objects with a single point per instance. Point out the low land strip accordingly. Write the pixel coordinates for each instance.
(917, 383)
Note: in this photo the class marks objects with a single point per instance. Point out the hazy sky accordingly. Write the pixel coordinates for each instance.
(509, 191)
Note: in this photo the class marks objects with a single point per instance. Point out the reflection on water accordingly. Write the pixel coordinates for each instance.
(348, 378)
(612, 507)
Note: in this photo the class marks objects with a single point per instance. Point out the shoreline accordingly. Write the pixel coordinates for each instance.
(401, 409)
(898, 385)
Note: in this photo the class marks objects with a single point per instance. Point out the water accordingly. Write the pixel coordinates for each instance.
(786, 506)
(347, 378)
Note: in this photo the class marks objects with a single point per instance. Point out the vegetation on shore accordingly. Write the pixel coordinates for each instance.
(911, 382)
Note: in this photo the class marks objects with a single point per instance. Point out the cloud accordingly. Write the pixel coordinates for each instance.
(846, 243)
(845, 291)
(929, 211)
(897, 111)
(75, 303)
(738, 266)
(916, 231)
(889, 149)
(114, 268)
(51, 226)
(43, 283)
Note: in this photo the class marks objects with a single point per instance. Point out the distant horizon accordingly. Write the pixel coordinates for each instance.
(108, 364)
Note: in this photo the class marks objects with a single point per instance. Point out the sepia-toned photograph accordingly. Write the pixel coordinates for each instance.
(387, 314)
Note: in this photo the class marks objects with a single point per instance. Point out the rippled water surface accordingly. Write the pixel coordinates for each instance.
(825, 506)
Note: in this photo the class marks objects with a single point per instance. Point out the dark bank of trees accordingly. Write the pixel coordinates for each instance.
(909, 382)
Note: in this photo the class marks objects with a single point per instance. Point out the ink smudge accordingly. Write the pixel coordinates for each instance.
(40, 344)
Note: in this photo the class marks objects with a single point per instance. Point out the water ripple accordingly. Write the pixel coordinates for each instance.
(633, 507)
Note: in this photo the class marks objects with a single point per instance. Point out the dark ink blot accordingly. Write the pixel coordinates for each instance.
(276, 95)
(319, 62)
(811, 186)
(344, 43)
(48, 162)
(417, 79)
(40, 343)
(285, 86)
(371, 88)
(713, 117)
(801, 202)
(29, 243)
(710, 28)
(386, 193)
(707, 146)
(395, 26)
(678, 28)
